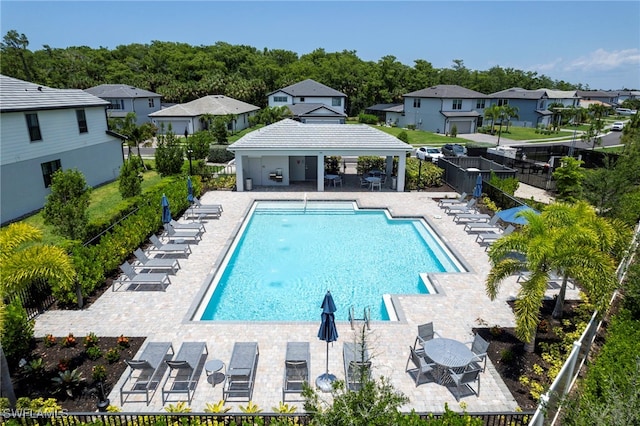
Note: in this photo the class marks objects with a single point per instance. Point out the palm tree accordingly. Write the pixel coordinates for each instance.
(510, 112)
(24, 261)
(492, 113)
(568, 239)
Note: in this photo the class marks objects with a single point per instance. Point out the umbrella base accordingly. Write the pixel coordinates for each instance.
(325, 382)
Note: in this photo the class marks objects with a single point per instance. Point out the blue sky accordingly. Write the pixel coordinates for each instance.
(596, 43)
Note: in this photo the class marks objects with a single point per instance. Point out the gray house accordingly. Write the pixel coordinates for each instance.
(44, 129)
(439, 108)
(533, 104)
(124, 99)
(311, 102)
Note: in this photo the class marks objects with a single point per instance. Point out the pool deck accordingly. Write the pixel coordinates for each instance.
(164, 316)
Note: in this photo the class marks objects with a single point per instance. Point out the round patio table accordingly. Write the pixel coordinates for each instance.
(447, 353)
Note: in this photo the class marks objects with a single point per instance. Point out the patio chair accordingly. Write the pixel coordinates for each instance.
(489, 237)
(425, 332)
(156, 263)
(357, 365)
(479, 347)
(296, 368)
(461, 208)
(460, 384)
(364, 182)
(185, 234)
(169, 248)
(421, 367)
(146, 371)
(138, 281)
(452, 201)
(199, 226)
(241, 371)
(471, 218)
(482, 226)
(184, 370)
(376, 183)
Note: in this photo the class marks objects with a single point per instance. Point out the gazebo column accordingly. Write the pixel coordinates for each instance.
(402, 167)
(239, 173)
(320, 172)
(388, 168)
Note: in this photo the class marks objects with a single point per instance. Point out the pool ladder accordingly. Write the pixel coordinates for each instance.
(365, 318)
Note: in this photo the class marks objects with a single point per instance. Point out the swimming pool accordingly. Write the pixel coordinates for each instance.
(288, 254)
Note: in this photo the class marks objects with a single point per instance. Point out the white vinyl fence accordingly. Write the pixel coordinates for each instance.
(549, 407)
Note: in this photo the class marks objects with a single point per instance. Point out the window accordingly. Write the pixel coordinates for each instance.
(480, 103)
(456, 104)
(280, 99)
(34, 127)
(336, 102)
(151, 103)
(48, 169)
(82, 121)
(541, 105)
(502, 102)
(301, 99)
(116, 104)
(416, 103)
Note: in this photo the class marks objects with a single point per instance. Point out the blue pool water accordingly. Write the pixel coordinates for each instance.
(288, 254)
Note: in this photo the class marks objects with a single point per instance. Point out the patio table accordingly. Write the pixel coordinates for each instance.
(332, 178)
(374, 181)
(447, 353)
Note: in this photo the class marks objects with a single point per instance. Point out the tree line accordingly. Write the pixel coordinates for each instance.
(181, 72)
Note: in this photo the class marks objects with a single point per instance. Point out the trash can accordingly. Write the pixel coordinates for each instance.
(394, 182)
(248, 184)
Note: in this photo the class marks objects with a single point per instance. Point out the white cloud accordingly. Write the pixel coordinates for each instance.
(546, 67)
(602, 60)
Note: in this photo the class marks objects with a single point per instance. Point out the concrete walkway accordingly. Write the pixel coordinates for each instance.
(460, 305)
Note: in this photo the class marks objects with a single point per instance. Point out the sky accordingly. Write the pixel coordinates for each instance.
(595, 43)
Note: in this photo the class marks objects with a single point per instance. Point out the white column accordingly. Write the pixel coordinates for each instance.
(320, 172)
(402, 166)
(239, 173)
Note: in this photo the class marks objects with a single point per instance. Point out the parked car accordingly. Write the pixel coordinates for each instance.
(454, 150)
(617, 126)
(626, 111)
(428, 153)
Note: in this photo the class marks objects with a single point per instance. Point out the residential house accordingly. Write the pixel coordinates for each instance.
(604, 97)
(439, 108)
(43, 130)
(623, 95)
(311, 102)
(188, 118)
(533, 105)
(386, 113)
(124, 99)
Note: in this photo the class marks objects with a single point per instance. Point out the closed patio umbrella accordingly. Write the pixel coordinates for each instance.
(512, 215)
(166, 212)
(189, 190)
(477, 190)
(328, 333)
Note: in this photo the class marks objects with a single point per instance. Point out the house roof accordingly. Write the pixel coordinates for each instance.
(19, 95)
(596, 93)
(120, 91)
(460, 113)
(211, 104)
(446, 91)
(520, 93)
(292, 135)
(386, 107)
(300, 110)
(309, 88)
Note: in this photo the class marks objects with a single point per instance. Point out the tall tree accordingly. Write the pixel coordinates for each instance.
(67, 204)
(136, 135)
(567, 239)
(569, 177)
(16, 44)
(492, 113)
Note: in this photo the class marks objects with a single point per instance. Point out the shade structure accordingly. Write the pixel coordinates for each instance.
(189, 190)
(512, 215)
(477, 190)
(166, 212)
(329, 333)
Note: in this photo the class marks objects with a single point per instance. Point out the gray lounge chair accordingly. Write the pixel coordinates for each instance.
(198, 226)
(357, 365)
(185, 234)
(297, 365)
(462, 208)
(156, 263)
(184, 370)
(471, 217)
(489, 237)
(169, 248)
(241, 371)
(422, 368)
(137, 281)
(482, 226)
(453, 201)
(204, 210)
(199, 205)
(146, 371)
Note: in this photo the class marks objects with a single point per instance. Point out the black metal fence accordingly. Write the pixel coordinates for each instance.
(29, 418)
(35, 299)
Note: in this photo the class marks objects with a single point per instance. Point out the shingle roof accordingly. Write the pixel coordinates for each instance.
(386, 107)
(212, 104)
(520, 93)
(289, 134)
(460, 113)
(446, 91)
(309, 88)
(19, 95)
(120, 91)
(305, 109)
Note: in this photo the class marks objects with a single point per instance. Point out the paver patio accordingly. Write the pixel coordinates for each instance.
(164, 316)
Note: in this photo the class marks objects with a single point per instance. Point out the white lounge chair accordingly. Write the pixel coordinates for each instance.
(145, 262)
(482, 226)
(198, 226)
(463, 208)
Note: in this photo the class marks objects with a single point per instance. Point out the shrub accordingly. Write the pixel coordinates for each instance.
(454, 131)
(218, 407)
(411, 126)
(90, 340)
(506, 356)
(368, 119)
(220, 154)
(112, 355)
(94, 352)
(130, 182)
(403, 136)
(67, 204)
(63, 364)
(34, 368)
(68, 382)
(99, 373)
(17, 334)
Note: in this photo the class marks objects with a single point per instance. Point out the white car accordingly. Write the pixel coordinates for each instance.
(617, 126)
(428, 153)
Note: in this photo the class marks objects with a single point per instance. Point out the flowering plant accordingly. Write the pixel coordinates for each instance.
(69, 341)
(123, 341)
(49, 340)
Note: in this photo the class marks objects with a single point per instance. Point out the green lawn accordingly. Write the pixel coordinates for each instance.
(527, 133)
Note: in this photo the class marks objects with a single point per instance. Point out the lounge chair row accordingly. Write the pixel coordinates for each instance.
(201, 211)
